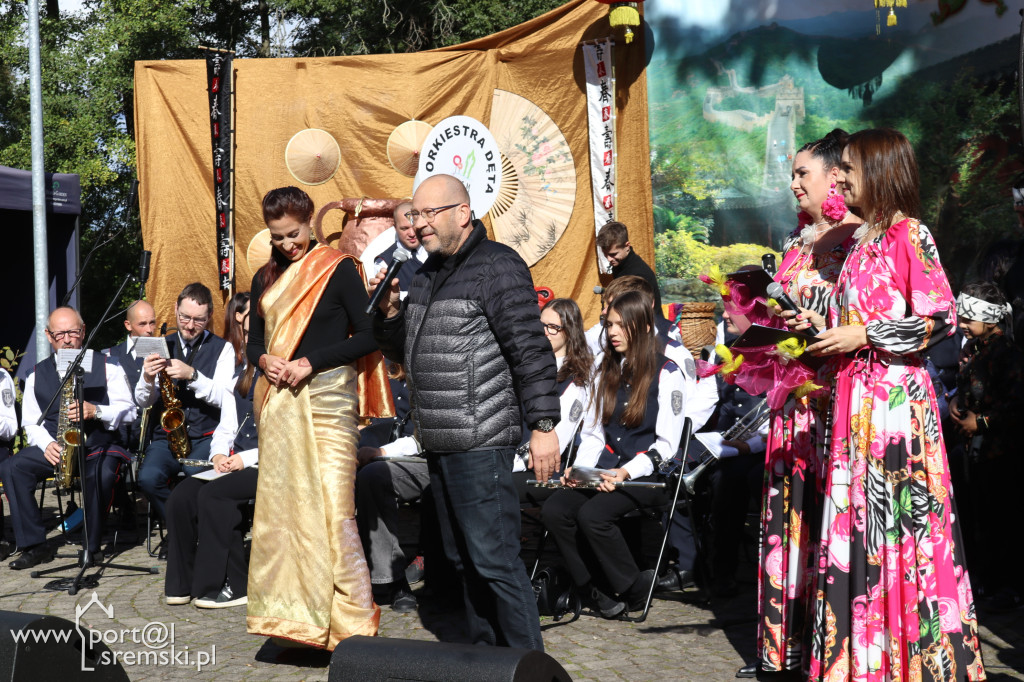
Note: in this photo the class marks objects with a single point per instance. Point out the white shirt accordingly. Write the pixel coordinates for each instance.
(406, 446)
(210, 390)
(223, 438)
(668, 428)
(573, 408)
(701, 395)
(118, 410)
(8, 417)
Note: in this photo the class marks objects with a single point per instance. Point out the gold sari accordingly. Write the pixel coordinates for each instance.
(308, 578)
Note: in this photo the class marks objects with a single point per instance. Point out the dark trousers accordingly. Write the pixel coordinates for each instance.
(380, 488)
(205, 534)
(24, 470)
(478, 513)
(590, 515)
(160, 466)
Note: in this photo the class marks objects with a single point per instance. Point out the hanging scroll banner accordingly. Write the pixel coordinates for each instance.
(597, 60)
(218, 78)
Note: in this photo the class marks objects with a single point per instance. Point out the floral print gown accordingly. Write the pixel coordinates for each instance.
(892, 597)
(793, 481)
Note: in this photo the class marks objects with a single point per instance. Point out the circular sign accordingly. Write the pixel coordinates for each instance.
(463, 147)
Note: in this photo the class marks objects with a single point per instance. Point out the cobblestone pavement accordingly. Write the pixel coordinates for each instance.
(682, 639)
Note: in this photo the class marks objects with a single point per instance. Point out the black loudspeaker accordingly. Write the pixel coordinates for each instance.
(34, 647)
(360, 659)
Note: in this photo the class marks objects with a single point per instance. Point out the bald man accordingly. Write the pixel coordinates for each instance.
(139, 320)
(107, 402)
(471, 362)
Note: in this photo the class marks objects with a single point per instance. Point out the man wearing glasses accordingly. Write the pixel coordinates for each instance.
(470, 337)
(202, 366)
(107, 402)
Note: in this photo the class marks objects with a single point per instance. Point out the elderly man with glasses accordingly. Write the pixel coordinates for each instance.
(201, 367)
(106, 403)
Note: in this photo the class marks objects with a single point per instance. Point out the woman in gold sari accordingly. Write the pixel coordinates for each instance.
(308, 579)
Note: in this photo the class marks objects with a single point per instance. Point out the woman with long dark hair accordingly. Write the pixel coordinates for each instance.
(892, 595)
(795, 452)
(634, 420)
(234, 312)
(308, 580)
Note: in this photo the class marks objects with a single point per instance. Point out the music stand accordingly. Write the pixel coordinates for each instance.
(84, 562)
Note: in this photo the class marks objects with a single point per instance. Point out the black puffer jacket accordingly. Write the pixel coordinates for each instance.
(469, 335)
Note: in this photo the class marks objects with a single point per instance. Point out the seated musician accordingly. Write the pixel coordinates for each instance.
(8, 429)
(701, 396)
(381, 487)
(205, 552)
(732, 480)
(199, 372)
(563, 326)
(107, 403)
(635, 419)
(139, 320)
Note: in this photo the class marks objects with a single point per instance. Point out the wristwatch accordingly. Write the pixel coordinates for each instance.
(195, 375)
(98, 414)
(545, 425)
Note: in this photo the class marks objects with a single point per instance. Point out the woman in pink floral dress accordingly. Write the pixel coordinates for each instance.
(892, 597)
(794, 457)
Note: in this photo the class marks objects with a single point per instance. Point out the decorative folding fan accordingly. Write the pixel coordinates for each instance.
(312, 156)
(404, 146)
(538, 186)
(258, 252)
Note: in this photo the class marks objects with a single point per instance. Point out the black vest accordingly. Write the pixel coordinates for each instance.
(122, 357)
(623, 443)
(94, 391)
(201, 417)
(245, 439)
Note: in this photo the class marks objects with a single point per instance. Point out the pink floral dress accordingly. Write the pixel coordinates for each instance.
(892, 596)
(793, 482)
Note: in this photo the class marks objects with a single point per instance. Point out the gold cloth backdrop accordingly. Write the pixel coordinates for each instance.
(360, 100)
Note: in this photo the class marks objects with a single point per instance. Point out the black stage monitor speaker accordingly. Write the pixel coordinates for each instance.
(361, 659)
(34, 647)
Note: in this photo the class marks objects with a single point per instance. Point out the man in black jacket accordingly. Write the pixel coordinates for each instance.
(470, 337)
(613, 240)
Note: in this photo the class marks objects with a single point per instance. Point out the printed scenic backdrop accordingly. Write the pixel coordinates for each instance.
(736, 86)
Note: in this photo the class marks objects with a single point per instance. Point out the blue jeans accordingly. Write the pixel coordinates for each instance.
(478, 511)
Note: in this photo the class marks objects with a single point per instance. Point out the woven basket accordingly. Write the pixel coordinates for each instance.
(696, 322)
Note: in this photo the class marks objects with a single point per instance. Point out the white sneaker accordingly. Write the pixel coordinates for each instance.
(177, 601)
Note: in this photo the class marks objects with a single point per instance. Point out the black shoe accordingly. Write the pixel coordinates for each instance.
(221, 600)
(747, 671)
(403, 601)
(674, 579)
(636, 595)
(6, 549)
(605, 605)
(33, 556)
(414, 571)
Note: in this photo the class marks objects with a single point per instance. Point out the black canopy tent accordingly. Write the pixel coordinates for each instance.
(63, 208)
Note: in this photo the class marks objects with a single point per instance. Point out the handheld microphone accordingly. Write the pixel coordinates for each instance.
(401, 255)
(776, 291)
(768, 263)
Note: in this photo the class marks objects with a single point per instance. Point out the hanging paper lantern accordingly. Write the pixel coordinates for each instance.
(624, 14)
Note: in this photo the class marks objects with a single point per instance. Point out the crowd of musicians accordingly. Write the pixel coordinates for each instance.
(313, 422)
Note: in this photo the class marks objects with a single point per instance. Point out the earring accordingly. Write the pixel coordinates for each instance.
(834, 206)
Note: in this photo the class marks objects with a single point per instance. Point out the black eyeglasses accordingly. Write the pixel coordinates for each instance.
(428, 213)
(552, 329)
(69, 334)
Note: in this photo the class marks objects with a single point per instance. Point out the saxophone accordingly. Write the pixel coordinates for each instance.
(68, 437)
(173, 419)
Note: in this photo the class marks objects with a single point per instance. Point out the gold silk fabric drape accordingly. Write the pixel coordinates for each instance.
(360, 100)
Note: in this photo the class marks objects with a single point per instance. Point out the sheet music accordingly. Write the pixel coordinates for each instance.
(147, 345)
(65, 356)
(712, 440)
(210, 474)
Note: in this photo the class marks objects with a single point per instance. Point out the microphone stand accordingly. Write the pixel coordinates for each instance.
(85, 562)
